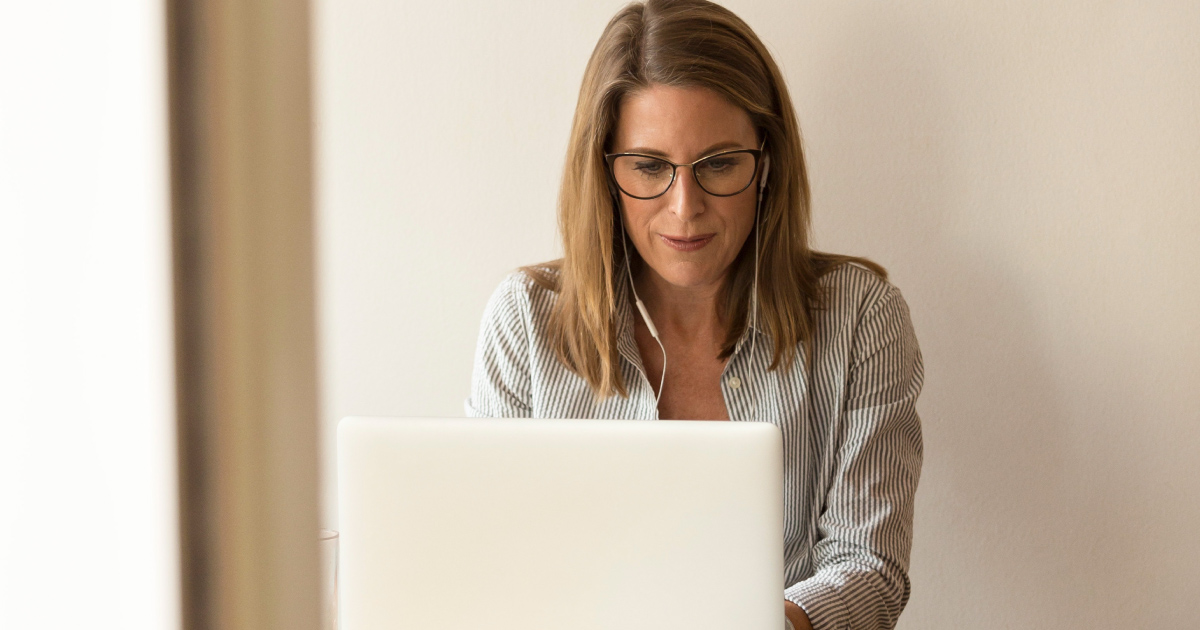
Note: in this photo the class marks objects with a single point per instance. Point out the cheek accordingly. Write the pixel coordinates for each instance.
(739, 219)
(638, 215)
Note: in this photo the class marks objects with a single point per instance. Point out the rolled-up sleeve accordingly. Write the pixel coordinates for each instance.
(500, 379)
(860, 579)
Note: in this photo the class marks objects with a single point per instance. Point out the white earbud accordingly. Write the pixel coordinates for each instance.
(762, 181)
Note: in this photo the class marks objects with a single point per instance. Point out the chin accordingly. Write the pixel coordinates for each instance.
(688, 276)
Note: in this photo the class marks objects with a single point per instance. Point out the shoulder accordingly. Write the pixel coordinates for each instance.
(865, 316)
(860, 310)
(523, 296)
(853, 291)
(535, 284)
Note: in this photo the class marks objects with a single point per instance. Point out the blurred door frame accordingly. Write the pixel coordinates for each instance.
(242, 221)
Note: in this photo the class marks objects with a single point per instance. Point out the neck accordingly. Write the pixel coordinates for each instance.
(681, 312)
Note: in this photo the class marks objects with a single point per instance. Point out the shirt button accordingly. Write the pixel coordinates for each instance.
(735, 382)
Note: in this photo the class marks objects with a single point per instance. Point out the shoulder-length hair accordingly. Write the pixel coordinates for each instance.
(681, 43)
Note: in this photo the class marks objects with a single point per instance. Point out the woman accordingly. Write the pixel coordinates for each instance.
(688, 289)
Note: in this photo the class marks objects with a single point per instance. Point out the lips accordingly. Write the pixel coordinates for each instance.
(687, 243)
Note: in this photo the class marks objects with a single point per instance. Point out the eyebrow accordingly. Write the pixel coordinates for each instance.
(712, 149)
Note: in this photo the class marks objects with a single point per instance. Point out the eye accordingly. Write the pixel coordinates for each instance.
(720, 164)
(649, 167)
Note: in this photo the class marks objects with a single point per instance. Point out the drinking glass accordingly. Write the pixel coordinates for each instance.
(329, 578)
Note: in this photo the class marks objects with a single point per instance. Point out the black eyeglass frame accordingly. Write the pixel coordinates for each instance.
(610, 158)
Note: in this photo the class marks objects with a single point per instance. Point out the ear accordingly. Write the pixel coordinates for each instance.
(762, 181)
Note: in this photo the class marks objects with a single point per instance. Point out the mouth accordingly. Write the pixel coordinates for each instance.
(687, 243)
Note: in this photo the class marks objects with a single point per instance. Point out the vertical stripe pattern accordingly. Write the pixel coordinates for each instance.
(852, 437)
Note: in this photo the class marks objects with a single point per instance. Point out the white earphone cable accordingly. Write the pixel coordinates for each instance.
(754, 284)
(641, 307)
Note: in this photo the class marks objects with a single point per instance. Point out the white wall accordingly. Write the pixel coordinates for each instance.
(88, 521)
(1027, 171)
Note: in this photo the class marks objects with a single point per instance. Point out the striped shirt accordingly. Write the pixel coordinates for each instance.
(851, 435)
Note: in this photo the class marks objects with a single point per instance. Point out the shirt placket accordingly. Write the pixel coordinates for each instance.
(737, 386)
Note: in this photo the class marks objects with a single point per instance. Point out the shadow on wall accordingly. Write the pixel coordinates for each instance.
(1018, 524)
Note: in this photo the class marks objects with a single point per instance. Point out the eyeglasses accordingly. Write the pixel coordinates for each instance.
(721, 174)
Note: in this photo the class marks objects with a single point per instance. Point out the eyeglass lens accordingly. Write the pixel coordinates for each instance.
(725, 174)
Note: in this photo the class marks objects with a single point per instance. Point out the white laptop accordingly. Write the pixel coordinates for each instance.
(454, 524)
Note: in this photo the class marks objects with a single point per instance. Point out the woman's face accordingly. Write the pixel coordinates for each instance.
(687, 237)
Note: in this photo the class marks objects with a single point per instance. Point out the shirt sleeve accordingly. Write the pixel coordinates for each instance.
(865, 528)
(500, 379)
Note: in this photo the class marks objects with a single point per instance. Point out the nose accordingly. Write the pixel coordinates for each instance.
(685, 198)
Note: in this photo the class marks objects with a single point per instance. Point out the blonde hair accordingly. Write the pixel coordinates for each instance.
(681, 43)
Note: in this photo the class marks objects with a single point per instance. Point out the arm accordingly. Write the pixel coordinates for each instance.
(500, 380)
(865, 528)
(795, 615)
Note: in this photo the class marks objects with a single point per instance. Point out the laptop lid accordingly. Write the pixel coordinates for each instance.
(508, 524)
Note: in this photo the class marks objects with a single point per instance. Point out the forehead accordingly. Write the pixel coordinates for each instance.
(680, 122)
